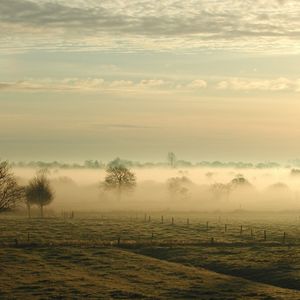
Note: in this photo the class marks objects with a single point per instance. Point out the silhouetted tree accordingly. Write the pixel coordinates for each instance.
(220, 190)
(119, 179)
(10, 192)
(172, 159)
(239, 182)
(179, 186)
(39, 192)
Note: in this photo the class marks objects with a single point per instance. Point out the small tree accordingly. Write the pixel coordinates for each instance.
(39, 192)
(119, 179)
(10, 192)
(220, 190)
(239, 182)
(179, 187)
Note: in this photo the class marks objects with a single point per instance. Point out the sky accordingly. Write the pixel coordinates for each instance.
(208, 80)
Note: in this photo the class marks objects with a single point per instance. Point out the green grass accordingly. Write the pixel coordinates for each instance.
(79, 258)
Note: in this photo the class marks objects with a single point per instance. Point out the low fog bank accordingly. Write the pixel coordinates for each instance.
(194, 189)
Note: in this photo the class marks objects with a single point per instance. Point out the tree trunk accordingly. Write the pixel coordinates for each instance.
(119, 193)
(42, 211)
(29, 210)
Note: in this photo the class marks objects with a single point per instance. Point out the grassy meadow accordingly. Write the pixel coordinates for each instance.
(159, 255)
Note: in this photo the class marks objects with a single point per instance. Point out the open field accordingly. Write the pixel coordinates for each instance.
(136, 255)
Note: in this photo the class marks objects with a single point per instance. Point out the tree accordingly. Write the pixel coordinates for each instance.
(39, 192)
(179, 187)
(10, 192)
(119, 179)
(220, 190)
(172, 159)
(239, 182)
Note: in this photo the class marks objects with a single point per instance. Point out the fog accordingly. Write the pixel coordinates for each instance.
(79, 189)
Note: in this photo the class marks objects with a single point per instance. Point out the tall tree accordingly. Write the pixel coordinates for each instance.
(119, 179)
(172, 159)
(39, 192)
(10, 192)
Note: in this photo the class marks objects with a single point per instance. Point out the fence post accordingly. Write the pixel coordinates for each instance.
(241, 230)
(207, 225)
(265, 235)
(284, 237)
(172, 221)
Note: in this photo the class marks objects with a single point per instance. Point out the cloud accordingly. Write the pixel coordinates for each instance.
(122, 86)
(197, 84)
(242, 84)
(150, 25)
(87, 85)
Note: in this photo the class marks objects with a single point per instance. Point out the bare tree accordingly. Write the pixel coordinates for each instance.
(179, 187)
(119, 179)
(172, 159)
(39, 192)
(10, 192)
(220, 190)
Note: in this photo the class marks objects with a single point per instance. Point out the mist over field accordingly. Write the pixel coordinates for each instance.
(150, 149)
(80, 189)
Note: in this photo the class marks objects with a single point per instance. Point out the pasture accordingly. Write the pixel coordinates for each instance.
(150, 255)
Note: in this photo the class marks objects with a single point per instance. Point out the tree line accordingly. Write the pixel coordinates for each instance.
(119, 179)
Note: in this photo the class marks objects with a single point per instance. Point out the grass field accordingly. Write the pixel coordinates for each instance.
(137, 255)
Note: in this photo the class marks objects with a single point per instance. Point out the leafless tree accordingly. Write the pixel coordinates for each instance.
(11, 193)
(119, 179)
(172, 159)
(179, 187)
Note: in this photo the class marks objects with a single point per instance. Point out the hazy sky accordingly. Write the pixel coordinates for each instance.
(94, 79)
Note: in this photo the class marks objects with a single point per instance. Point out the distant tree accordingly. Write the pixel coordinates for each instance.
(179, 187)
(239, 182)
(279, 186)
(92, 164)
(119, 179)
(295, 172)
(220, 190)
(172, 159)
(39, 192)
(10, 192)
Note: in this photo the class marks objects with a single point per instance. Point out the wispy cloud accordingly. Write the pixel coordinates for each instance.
(154, 85)
(150, 25)
(243, 84)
